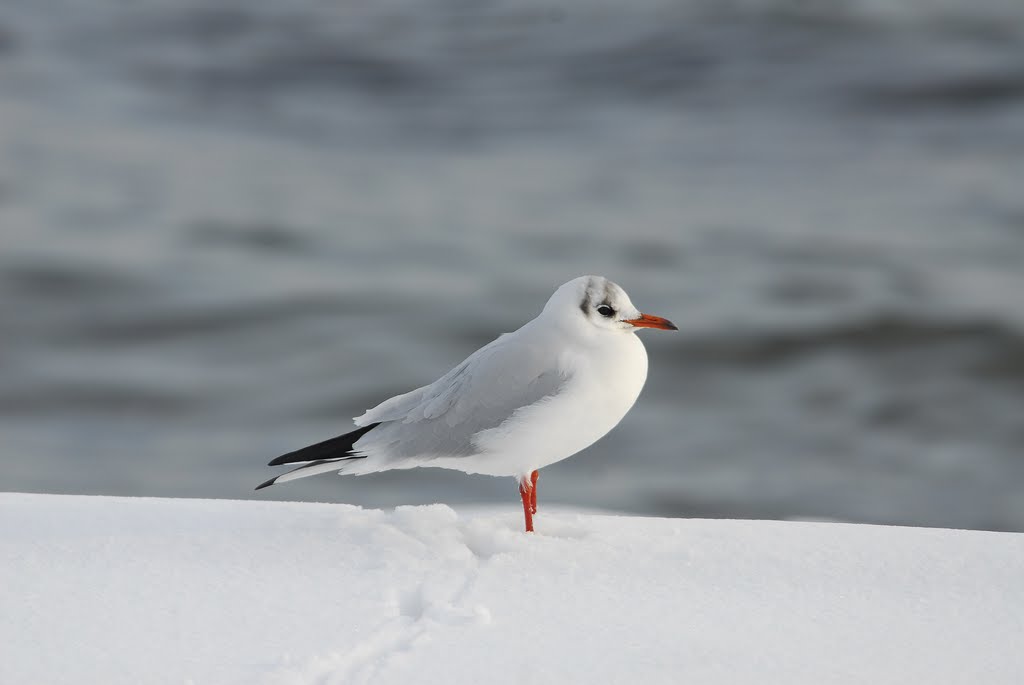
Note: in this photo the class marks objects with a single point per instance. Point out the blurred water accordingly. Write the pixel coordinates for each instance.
(226, 231)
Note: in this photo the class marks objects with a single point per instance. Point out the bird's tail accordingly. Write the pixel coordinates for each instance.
(322, 457)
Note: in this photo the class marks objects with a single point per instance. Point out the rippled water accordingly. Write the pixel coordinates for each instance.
(226, 231)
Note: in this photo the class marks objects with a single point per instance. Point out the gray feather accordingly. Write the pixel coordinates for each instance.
(441, 419)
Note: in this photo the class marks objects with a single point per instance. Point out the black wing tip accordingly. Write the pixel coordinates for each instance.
(266, 484)
(337, 448)
(273, 480)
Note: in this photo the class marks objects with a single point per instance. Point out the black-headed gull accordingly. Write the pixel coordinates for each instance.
(530, 398)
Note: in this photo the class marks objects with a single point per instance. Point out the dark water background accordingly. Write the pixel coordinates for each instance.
(224, 230)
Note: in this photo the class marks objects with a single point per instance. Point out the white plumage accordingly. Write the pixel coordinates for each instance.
(528, 399)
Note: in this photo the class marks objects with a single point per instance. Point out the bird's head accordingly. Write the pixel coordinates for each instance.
(595, 302)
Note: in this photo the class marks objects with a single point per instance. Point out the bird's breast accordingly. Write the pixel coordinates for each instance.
(613, 381)
(602, 386)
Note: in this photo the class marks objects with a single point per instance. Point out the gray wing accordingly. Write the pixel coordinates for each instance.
(482, 392)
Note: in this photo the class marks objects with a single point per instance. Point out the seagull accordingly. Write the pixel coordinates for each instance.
(528, 399)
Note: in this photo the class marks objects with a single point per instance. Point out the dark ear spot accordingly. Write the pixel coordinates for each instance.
(583, 306)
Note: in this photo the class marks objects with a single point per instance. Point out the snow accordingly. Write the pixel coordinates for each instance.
(122, 590)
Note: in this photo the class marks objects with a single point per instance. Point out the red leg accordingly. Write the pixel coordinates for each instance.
(533, 491)
(526, 492)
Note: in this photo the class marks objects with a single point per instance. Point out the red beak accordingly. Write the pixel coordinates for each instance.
(651, 321)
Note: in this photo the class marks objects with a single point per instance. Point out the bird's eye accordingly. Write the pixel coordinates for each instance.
(605, 310)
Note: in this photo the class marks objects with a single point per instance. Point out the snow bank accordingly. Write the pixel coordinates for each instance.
(112, 590)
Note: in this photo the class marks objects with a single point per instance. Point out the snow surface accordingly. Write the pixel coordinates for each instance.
(116, 590)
